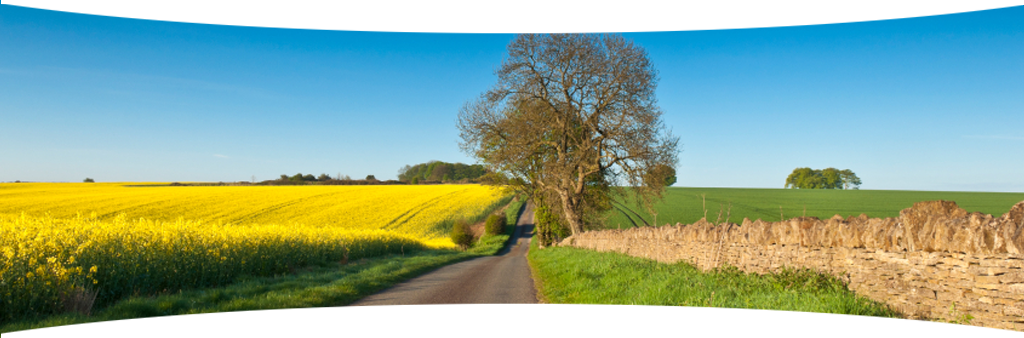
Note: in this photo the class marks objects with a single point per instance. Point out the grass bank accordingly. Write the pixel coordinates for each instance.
(686, 205)
(578, 276)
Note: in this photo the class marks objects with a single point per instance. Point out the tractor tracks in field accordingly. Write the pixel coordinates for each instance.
(409, 214)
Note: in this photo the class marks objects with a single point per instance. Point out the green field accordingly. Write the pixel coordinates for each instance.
(684, 205)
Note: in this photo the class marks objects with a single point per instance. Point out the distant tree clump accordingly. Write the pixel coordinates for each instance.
(299, 178)
(665, 172)
(88, 180)
(437, 171)
(324, 179)
(828, 178)
(850, 180)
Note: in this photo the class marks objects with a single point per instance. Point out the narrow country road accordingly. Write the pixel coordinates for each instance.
(504, 278)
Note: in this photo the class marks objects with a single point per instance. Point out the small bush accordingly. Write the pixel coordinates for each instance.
(548, 226)
(495, 225)
(460, 234)
(88, 180)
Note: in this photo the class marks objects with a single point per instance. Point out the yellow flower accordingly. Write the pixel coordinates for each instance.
(146, 231)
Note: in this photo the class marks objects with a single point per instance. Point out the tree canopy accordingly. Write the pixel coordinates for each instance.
(571, 117)
(441, 171)
(828, 178)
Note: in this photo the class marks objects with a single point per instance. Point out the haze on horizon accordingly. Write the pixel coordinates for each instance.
(931, 103)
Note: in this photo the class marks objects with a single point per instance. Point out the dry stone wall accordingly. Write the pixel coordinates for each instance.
(934, 261)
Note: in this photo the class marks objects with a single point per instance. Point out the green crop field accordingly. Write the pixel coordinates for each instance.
(684, 205)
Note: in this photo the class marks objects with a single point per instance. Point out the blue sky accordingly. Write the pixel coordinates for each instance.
(933, 103)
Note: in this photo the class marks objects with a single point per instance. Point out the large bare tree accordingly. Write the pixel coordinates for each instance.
(570, 116)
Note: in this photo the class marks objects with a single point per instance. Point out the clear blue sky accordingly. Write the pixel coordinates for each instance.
(934, 103)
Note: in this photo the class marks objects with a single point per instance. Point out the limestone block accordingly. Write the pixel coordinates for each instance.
(1016, 309)
(986, 279)
(950, 296)
(987, 286)
(1014, 276)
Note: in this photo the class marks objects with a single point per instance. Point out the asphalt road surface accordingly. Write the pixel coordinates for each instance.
(504, 278)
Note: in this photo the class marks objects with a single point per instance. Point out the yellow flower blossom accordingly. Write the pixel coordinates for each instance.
(150, 239)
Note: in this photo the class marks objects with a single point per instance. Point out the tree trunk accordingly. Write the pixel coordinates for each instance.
(572, 214)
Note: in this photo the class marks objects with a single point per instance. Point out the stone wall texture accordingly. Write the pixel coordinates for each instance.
(932, 256)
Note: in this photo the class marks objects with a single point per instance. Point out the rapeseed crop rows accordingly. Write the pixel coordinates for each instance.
(148, 240)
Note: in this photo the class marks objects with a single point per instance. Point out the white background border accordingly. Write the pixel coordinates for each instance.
(517, 16)
(522, 16)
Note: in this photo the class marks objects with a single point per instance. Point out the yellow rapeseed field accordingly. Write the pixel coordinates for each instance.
(61, 239)
(414, 210)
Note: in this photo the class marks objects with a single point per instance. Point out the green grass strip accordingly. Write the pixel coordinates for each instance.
(512, 213)
(579, 276)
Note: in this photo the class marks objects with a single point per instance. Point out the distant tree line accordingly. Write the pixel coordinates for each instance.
(828, 178)
(433, 172)
(324, 179)
(441, 172)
